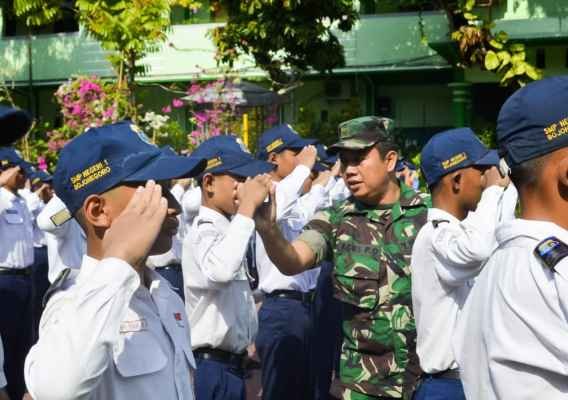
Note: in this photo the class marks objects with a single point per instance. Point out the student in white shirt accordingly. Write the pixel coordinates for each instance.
(451, 248)
(16, 259)
(219, 266)
(115, 329)
(510, 342)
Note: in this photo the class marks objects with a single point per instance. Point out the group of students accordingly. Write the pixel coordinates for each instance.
(156, 281)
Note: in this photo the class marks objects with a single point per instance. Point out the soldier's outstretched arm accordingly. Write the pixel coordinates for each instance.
(290, 258)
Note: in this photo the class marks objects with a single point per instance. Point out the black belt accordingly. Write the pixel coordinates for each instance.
(292, 294)
(170, 266)
(16, 271)
(225, 357)
(447, 374)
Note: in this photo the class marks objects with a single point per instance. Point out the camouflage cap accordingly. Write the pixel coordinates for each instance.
(363, 132)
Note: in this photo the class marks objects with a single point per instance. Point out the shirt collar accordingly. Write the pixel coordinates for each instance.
(438, 213)
(537, 230)
(89, 265)
(212, 215)
(408, 199)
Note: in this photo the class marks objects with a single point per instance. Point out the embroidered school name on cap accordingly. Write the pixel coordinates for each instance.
(551, 251)
(455, 160)
(556, 130)
(274, 144)
(89, 175)
(213, 163)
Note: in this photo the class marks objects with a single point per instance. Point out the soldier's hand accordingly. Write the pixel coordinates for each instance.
(493, 177)
(133, 233)
(8, 174)
(322, 178)
(265, 216)
(252, 193)
(307, 156)
(336, 168)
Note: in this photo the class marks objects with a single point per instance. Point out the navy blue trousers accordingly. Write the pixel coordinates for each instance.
(15, 328)
(40, 284)
(174, 275)
(215, 380)
(439, 389)
(326, 344)
(283, 345)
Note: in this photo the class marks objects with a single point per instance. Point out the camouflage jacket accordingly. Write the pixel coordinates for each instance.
(371, 250)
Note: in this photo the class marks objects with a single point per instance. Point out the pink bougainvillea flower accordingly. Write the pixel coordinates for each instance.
(193, 89)
(76, 109)
(108, 113)
(167, 109)
(177, 103)
(195, 134)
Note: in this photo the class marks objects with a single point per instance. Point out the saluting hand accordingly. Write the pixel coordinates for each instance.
(307, 156)
(133, 233)
(8, 174)
(252, 193)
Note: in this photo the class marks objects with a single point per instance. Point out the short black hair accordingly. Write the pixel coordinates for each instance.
(384, 147)
(527, 174)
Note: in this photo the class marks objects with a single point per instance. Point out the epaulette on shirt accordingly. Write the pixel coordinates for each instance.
(437, 222)
(551, 251)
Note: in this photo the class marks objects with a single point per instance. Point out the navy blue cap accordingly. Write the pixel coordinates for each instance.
(534, 121)
(451, 150)
(40, 176)
(325, 160)
(226, 154)
(9, 157)
(102, 158)
(14, 124)
(402, 164)
(280, 138)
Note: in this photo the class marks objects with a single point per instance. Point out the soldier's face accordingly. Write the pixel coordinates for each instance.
(220, 192)
(366, 173)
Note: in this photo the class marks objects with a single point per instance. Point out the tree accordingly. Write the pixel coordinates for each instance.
(288, 37)
(285, 37)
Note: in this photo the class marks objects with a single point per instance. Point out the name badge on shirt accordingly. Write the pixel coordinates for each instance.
(179, 319)
(133, 326)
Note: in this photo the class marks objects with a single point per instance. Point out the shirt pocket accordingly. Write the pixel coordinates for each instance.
(13, 216)
(357, 275)
(138, 354)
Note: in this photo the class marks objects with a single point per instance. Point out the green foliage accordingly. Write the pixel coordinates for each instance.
(308, 124)
(478, 45)
(285, 34)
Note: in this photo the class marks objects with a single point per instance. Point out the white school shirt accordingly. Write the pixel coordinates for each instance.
(16, 231)
(510, 341)
(108, 337)
(3, 381)
(295, 217)
(35, 205)
(446, 257)
(219, 301)
(66, 243)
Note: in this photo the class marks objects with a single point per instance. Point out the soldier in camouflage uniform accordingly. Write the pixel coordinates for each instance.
(369, 238)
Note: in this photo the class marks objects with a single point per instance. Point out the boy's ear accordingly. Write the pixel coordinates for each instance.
(272, 158)
(207, 183)
(95, 212)
(456, 180)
